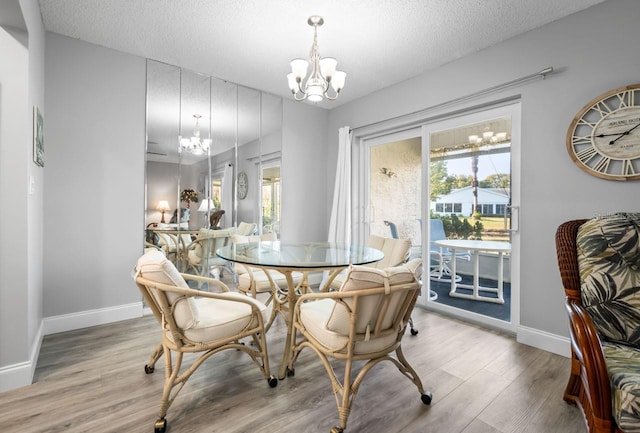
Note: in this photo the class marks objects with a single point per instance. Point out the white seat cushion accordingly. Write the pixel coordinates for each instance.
(315, 315)
(155, 266)
(395, 250)
(364, 277)
(217, 319)
(262, 282)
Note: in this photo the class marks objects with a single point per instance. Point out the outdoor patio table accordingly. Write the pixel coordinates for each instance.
(476, 246)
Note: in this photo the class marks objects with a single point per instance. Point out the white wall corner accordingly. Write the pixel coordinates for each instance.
(85, 319)
(544, 340)
(21, 374)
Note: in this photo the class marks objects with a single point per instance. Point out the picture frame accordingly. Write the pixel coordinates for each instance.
(38, 137)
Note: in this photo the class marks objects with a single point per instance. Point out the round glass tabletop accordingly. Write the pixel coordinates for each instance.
(307, 255)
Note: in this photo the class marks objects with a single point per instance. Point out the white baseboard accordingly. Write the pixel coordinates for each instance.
(21, 374)
(544, 340)
(85, 319)
(15, 376)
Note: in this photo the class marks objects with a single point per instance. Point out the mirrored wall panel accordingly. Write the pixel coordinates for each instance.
(212, 164)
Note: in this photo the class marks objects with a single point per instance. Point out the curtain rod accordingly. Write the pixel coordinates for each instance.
(542, 74)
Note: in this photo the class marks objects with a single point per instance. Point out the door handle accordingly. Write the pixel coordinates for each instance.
(514, 211)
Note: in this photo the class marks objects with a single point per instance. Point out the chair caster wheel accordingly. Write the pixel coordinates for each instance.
(291, 372)
(160, 426)
(149, 369)
(426, 397)
(272, 381)
(336, 430)
(414, 332)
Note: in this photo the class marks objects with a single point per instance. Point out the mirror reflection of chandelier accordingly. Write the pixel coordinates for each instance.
(195, 144)
(323, 72)
(488, 137)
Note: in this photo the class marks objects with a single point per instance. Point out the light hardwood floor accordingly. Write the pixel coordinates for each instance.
(92, 380)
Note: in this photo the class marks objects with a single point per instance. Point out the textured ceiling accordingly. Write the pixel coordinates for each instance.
(377, 42)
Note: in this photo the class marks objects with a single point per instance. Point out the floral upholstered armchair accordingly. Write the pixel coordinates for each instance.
(599, 262)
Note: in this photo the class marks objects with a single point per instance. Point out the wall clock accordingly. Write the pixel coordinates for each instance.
(604, 137)
(243, 185)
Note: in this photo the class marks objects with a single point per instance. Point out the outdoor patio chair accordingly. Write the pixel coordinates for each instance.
(441, 257)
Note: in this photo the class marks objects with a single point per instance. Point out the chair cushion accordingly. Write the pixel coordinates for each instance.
(242, 239)
(365, 277)
(315, 316)
(623, 365)
(395, 250)
(209, 240)
(217, 319)
(155, 266)
(262, 283)
(246, 229)
(608, 250)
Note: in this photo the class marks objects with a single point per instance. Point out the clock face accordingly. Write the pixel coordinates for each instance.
(604, 137)
(243, 185)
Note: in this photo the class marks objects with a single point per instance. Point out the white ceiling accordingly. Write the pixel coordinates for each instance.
(250, 42)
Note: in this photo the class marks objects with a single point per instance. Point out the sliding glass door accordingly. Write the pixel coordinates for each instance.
(451, 187)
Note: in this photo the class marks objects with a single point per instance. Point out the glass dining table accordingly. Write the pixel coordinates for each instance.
(289, 257)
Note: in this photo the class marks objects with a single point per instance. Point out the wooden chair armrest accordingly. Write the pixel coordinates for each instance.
(587, 348)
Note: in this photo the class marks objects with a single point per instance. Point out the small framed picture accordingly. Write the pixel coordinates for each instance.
(38, 137)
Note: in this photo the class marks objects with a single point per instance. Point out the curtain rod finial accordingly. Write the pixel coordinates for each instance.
(546, 71)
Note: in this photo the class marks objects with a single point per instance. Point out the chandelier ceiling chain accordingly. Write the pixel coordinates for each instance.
(195, 144)
(323, 77)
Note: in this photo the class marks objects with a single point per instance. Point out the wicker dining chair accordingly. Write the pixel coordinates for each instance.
(201, 253)
(364, 321)
(194, 321)
(396, 251)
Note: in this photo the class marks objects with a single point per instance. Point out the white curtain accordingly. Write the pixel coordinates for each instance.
(340, 223)
(227, 196)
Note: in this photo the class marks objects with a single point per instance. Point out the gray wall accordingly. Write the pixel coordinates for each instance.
(593, 52)
(94, 194)
(21, 88)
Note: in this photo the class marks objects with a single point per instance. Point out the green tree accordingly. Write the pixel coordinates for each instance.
(498, 180)
(462, 180)
(441, 182)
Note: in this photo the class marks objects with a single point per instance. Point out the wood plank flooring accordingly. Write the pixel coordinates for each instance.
(92, 380)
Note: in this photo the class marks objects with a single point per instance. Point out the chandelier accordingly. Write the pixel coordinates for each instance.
(323, 74)
(195, 144)
(488, 137)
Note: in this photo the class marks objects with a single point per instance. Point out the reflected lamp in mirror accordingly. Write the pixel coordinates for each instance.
(163, 206)
(206, 205)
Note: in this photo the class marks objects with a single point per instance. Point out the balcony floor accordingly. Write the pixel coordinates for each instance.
(497, 311)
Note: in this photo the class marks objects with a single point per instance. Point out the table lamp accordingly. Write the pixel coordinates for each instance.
(163, 206)
(206, 205)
